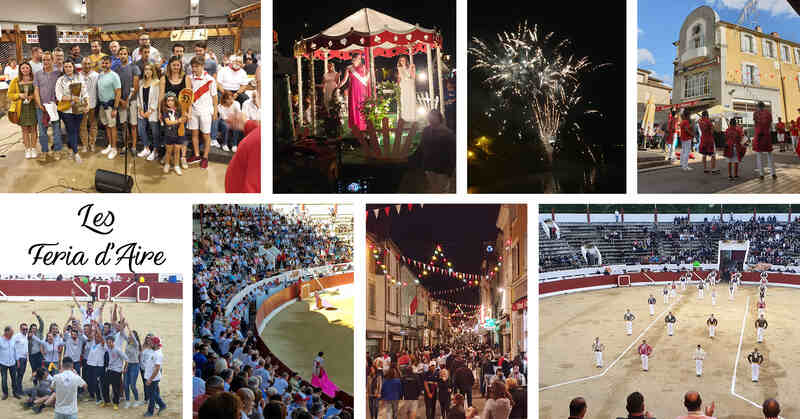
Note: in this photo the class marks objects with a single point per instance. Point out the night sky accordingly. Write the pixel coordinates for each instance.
(459, 229)
(290, 17)
(597, 30)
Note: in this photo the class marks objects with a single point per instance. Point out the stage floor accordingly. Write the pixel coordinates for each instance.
(162, 319)
(298, 333)
(568, 325)
(20, 175)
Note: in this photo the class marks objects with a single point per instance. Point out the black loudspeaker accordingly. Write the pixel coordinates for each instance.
(48, 37)
(112, 182)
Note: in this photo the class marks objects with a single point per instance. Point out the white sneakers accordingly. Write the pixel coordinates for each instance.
(106, 150)
(112, 153)
(77, 158)
(215, 143)
(144, 153)
(234, 148)
(27, 153)
(184, 164)
(225, 148)
(166, 169)
(152, 155)
(178, 170)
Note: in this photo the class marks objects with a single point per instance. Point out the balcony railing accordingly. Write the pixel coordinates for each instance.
(693, 53)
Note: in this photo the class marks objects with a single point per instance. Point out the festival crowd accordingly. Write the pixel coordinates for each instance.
(401, 382)
(235, 377)
(103, 359)
(135, 96)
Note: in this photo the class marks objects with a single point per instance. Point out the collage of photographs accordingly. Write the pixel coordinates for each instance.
(382, 270)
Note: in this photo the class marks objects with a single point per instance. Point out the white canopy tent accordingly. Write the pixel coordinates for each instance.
(375, 33)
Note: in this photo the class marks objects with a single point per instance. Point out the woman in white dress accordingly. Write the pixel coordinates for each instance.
(408, 94)
(329, 82)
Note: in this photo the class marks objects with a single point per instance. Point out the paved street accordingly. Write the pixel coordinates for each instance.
(673, 180)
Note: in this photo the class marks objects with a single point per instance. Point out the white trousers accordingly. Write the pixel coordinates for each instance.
(699, 293)
(754, 367)
(711, 331)
(760, 333)
(686, 147)
(760, 312)
(670, 329)
(769, 161)
(673, 293)
(671, 146)
(730, 293)
(644, 362)
(598, 358)
(780, 137)
(666, 298)
(698, 366)
(794, 142)
(652, 309)
(629, 328)
(683, 285)
(713, 300)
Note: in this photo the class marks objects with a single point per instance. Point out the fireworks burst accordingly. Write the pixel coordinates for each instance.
(527, 70)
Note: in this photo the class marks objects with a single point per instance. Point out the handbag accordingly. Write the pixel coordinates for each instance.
(13, 112)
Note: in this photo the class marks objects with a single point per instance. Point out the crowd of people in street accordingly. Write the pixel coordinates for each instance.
(401, 382)
(237, 246)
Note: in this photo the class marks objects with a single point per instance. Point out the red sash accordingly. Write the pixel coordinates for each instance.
(202, 90)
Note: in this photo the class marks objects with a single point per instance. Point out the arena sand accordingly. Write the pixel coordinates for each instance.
(569, 324)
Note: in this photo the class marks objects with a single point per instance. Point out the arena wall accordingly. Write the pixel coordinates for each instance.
(589, 283)
(288, 295)
(23, 290)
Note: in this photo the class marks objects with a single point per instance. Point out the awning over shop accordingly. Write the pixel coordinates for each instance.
(689, 104)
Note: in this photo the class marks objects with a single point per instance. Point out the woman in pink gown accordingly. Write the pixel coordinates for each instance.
(358, 74)
(320, 379)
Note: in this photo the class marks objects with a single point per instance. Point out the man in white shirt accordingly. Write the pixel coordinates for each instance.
(152, 359)
(20, 341)
(8, 358)
(88, 314)
(88, 128)
(204, 110)
(232, 78)
(66, 386)
(144, 42)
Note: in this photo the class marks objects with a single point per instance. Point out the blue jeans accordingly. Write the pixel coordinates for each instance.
(63, 416)
(214, 129)
(229, 136)
(43, 141)
(73, 123)
(155, 127)
(154, 396)
(131, 376)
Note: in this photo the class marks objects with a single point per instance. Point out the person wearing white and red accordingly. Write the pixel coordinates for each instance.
(645, 351)
(629, 318)
(762, 143)
(707, 148)
(780, 128)
(204, 110)
(152, 361)
(794, 132)
(761, 307)
(244, 171)
(686, 137)
(232, 78)
(694, 405)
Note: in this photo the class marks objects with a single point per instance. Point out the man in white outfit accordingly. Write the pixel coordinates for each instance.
(712, 326)
(598, 348)
(731, 289)
(645, 351)
(629, 318)
(666, 294)
(761, 325)
(683, 282)
(670, 320)
(699, 356)
(714, 296)
(652, 303)
(700, 287)
(755, 359)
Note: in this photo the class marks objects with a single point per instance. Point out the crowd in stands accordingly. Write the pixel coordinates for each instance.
(237, 246)
(692, 402)
(771, 242)
(445, 377)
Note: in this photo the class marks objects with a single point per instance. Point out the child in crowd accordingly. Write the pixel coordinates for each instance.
(172, 117)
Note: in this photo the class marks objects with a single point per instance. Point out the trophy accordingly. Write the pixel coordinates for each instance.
(185, 100)
(75, 92)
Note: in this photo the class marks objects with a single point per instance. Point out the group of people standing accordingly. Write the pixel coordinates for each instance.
(681, 129)
(93, 358)
(138, 91)
(446, 376)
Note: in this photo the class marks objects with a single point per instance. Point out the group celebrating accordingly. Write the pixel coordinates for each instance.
(446, 376)
(90, 358)
(145, 99)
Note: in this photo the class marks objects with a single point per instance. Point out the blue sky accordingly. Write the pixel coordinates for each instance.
(660, 21)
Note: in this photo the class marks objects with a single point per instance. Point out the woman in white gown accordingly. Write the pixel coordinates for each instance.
(329, 82)
(408, 95)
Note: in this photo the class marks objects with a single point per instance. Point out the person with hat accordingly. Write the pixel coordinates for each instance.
(152, 360)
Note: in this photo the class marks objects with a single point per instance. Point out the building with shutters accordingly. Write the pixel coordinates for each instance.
(727, 69)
